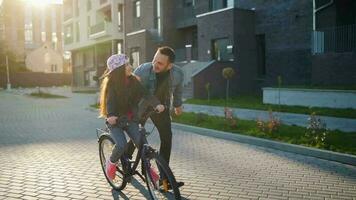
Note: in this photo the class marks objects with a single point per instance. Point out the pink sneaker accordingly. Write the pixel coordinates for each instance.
(110, 169)
(154, 175)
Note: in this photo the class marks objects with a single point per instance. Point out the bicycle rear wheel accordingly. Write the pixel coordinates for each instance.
(157, 169)
(106, 146)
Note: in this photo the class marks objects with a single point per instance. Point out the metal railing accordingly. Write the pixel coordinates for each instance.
(335, 39)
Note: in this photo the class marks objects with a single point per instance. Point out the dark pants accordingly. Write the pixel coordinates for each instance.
(162, 121)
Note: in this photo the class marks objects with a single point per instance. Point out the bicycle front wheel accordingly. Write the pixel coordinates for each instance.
(159, 178)
(106, 146)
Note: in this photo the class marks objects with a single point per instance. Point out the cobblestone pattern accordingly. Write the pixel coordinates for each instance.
(48, 150)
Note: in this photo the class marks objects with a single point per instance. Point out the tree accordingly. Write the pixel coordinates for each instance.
(15, 66)
(228, 73)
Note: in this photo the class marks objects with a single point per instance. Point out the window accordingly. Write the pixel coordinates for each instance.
(88, 25)
(135, 57)
(28, 25)
(335, 27)
(68, 37)
(55, 41)
(137, 9)
(43, 36)
(222, 50)
(220, 4)
(188, 3)
(68, 31)
(54, 68)
(119, 48)
(43, 24)
(230, 3)
(77, 31)
(28, 33)
(119, 19)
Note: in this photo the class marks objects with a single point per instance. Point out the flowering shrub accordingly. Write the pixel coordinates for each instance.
(229, 117)
(316, 131)
(270, 126)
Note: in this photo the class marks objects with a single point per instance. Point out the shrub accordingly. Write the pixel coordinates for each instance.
(271, 126)
(316, 132)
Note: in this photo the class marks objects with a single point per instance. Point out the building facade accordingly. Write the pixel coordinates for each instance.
(297, 42)
(32, 27)
(93, 30)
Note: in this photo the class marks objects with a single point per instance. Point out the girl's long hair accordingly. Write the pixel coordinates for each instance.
(115, 79)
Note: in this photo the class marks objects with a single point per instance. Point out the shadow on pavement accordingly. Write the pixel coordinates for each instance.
(116, 195)
(141, 188)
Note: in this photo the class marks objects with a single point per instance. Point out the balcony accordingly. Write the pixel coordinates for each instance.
(99, 30)
(335, 39)
(104, 29)
(67, 16)
(68, 40)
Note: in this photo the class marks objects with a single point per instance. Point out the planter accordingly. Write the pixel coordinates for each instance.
(310, 97)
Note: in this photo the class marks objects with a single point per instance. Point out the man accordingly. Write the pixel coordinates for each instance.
(164, 80)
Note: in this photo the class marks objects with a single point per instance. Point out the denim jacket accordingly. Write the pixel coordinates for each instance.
(148, 80)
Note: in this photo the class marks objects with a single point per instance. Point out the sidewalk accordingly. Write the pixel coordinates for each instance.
(333, 123)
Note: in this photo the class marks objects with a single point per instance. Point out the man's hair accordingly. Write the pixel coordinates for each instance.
(168, 51)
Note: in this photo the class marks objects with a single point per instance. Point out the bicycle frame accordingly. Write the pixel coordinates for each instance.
(143, 151)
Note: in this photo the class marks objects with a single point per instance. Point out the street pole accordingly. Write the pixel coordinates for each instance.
(8, 74)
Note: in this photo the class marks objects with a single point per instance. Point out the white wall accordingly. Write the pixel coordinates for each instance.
(310, 97)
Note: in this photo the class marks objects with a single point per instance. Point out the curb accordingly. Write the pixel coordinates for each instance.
(298, 149)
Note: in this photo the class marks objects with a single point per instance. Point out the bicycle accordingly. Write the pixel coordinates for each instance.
(153, 166)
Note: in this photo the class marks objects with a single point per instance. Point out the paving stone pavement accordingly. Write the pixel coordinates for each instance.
(48, 150)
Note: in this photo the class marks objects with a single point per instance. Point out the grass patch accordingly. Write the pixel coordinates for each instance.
(337, 141)
(46, 95)
(85, 92)
(95, 106)
(255, 102)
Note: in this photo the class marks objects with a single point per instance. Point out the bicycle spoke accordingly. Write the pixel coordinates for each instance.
(156, 170)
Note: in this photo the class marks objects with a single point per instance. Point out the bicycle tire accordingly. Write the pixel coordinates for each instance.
(106, 145)
(154, 161)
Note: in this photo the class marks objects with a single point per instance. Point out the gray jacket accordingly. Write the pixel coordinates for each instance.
(148, 80)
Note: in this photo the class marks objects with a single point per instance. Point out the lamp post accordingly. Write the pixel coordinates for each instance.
(8, 74)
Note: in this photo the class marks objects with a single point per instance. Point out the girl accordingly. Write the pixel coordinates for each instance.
(120, 94)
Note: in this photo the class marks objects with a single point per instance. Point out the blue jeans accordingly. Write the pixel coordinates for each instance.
(118, 135)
